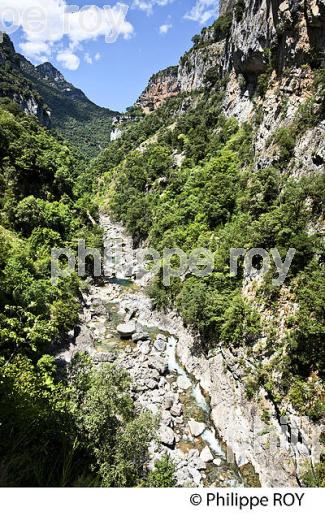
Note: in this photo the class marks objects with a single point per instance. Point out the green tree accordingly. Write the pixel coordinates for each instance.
(163, 475)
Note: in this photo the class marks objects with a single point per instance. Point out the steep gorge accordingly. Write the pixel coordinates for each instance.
(260, 65)
(225, 150)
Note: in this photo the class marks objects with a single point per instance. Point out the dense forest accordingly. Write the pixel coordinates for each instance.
(176, 178)
(75, 428)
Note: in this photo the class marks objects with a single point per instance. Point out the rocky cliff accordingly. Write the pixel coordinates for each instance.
(161, 86)
(16, 87)
(256, 33)
(267, 53)
(54, 79)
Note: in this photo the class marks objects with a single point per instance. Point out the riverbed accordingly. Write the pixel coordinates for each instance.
(160, 384)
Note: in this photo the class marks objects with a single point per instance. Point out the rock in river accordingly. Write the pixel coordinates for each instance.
(140, 336)
(158, 363)
(126, 330)
(145, 347)
(160, 344)
(104, 357)
(183, 383)
(206, 455)
(196, 428)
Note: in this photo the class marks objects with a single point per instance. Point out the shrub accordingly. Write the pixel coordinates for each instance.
(222, 26)
(285, 139)
(163, 476)
(314, 476)
(239, 10)
(242, 324)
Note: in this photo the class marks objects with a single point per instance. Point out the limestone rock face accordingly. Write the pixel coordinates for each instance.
(161, 87)
(275, 42)
(292, 33)
(226, 6)
(279, 43)
(196, 63)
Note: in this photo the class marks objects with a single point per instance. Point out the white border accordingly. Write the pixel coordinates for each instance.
(147, 504)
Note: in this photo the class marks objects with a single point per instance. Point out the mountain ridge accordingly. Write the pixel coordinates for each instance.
(43, 91)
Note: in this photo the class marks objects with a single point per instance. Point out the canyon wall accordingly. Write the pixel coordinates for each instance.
(264, 56)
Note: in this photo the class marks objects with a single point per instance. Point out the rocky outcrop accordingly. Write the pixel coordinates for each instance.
(161, 87)
(48, 72)
(195, 65)
(266, 53)
(226, 6)
(17, 88)
(251, 35)
(7, 50)
(53, 77)
(33, 107)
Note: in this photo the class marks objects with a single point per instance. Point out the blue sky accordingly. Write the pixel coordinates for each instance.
(152, 35)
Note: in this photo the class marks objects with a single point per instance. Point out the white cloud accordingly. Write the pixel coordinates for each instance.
(68, 59)
(202, 11)
(88, 59)
(36, 50)
(165, 28)
(45, 24)
(148, 5)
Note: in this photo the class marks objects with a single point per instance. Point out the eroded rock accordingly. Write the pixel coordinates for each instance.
(167, 436)
(126, 330)
(196, 428)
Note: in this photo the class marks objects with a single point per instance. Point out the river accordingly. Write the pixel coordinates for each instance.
(160, 383)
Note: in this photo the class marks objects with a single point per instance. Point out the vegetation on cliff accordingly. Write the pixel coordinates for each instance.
(43, 91)
(217, 199)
